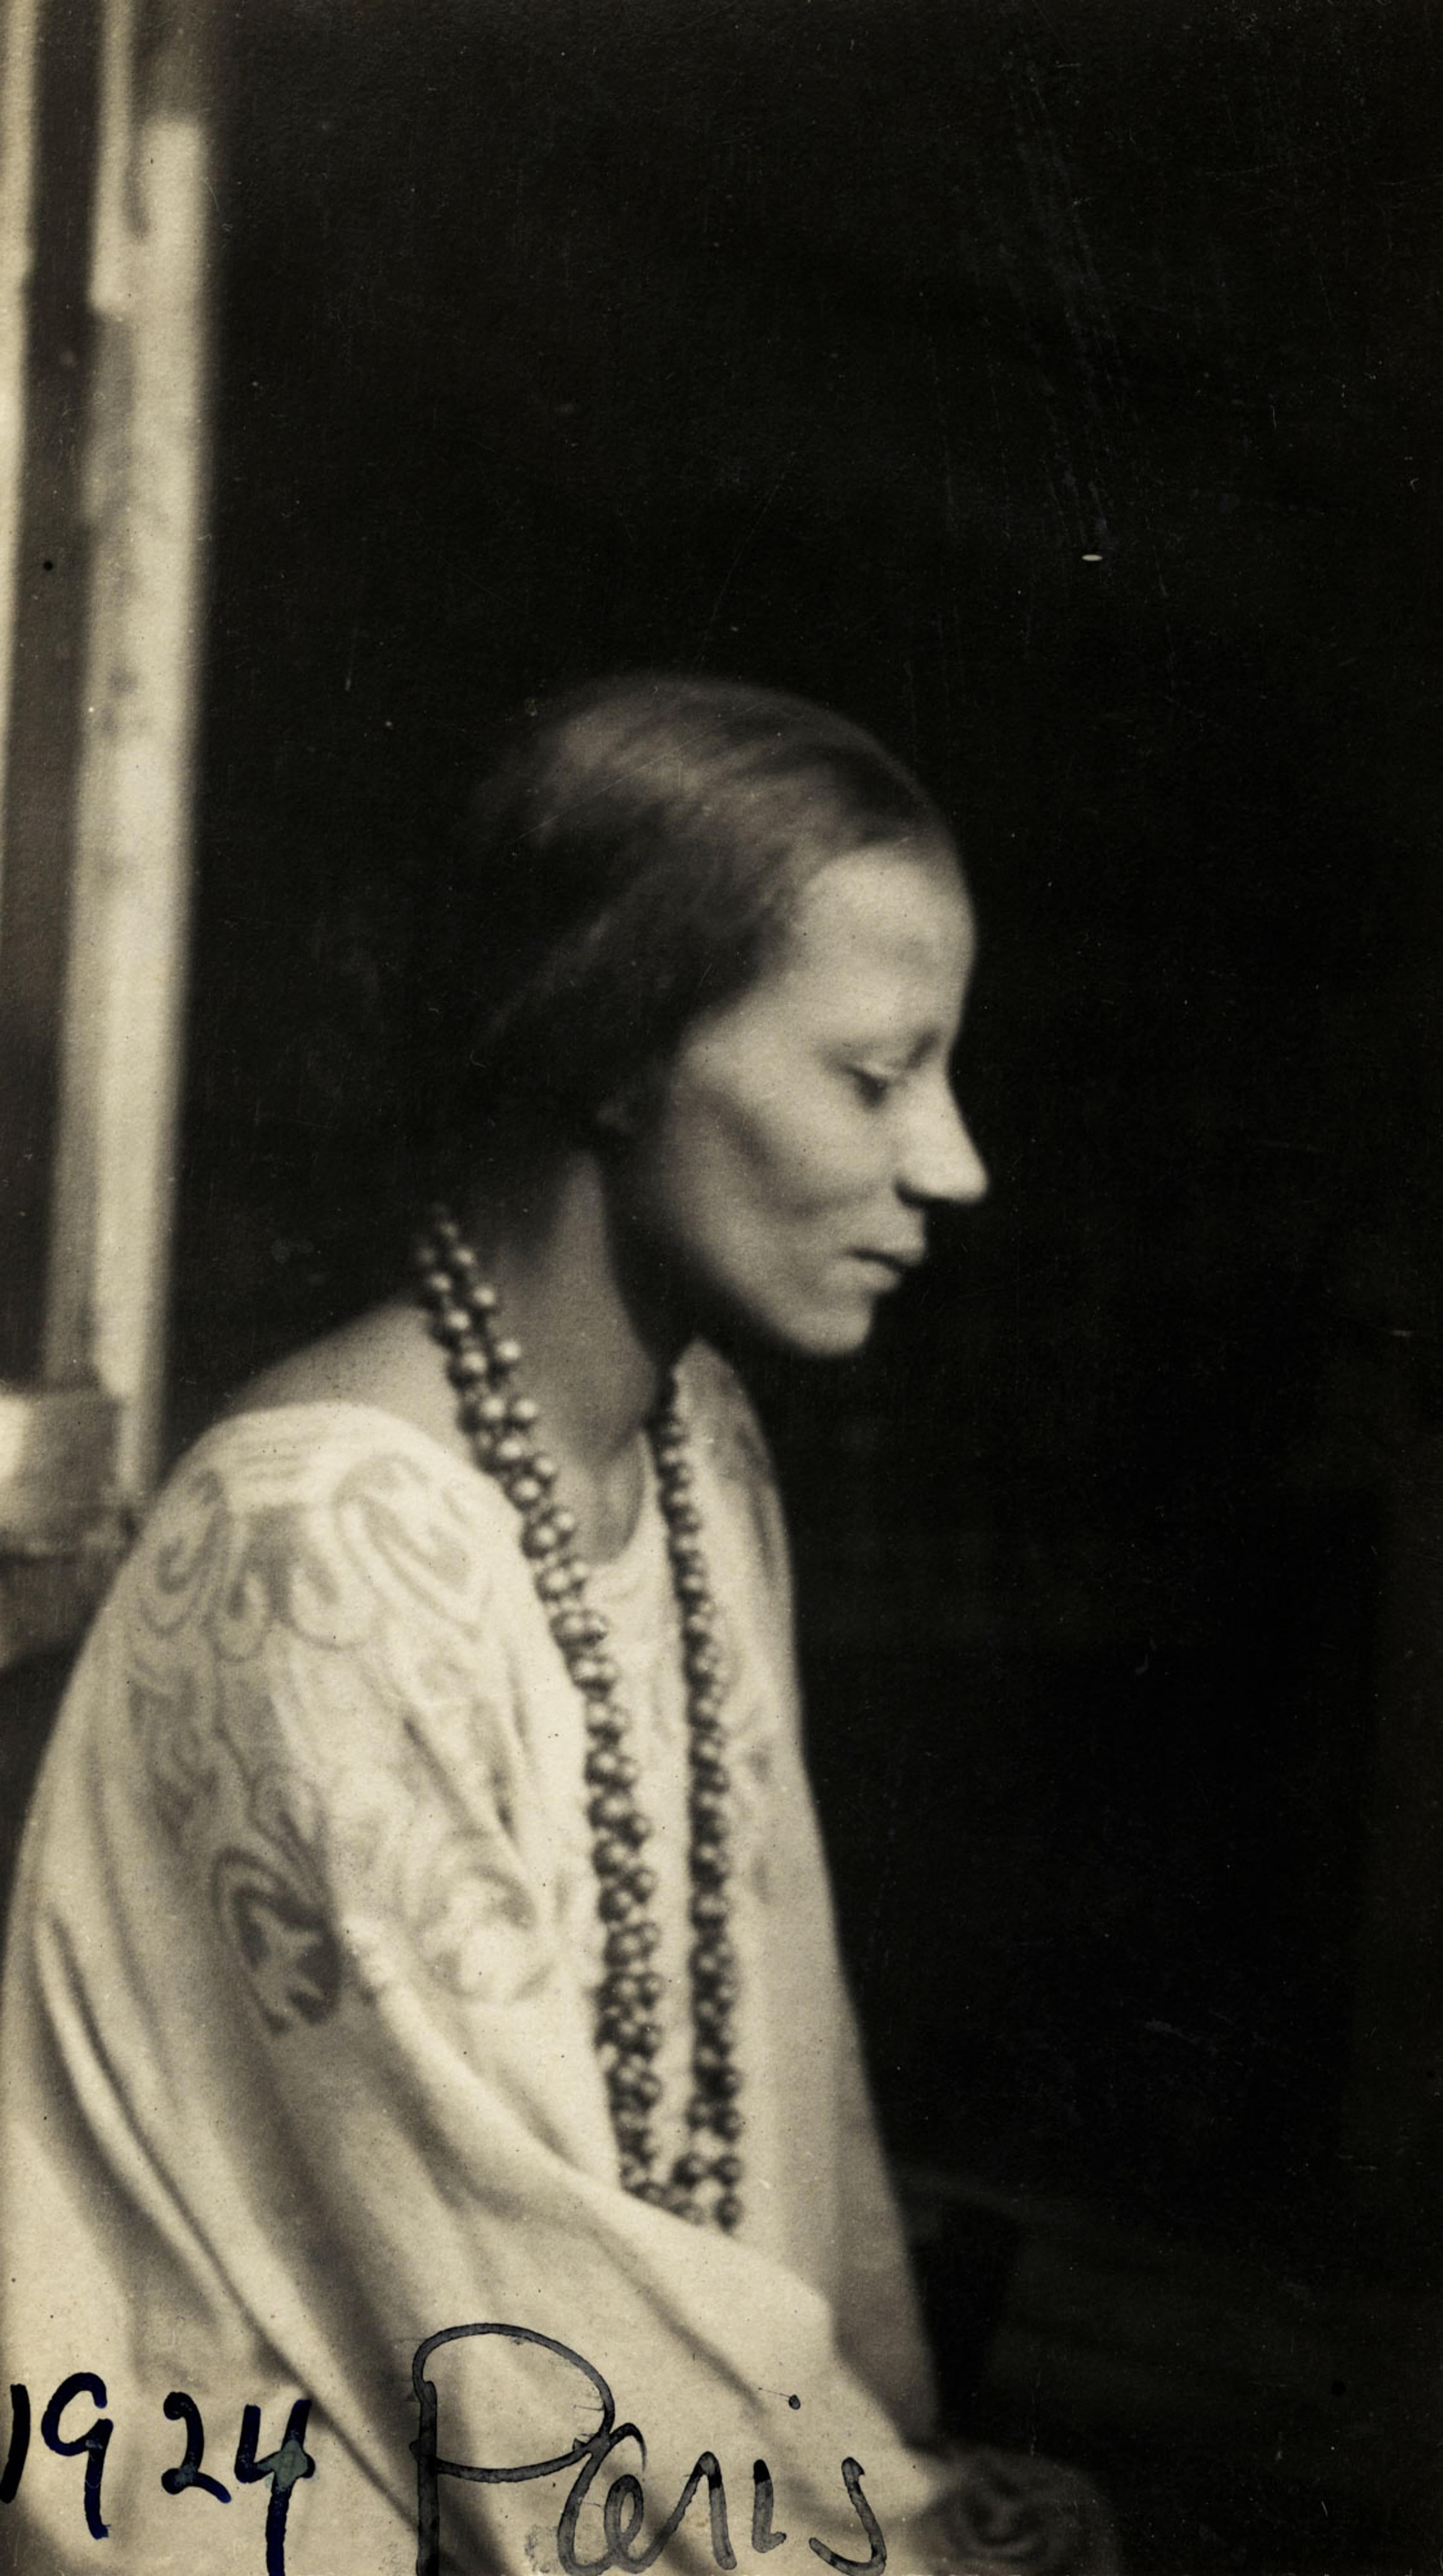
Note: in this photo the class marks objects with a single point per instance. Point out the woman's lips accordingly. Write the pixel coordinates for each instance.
(895, 1264)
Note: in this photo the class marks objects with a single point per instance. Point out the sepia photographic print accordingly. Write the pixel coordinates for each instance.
(721, 1415)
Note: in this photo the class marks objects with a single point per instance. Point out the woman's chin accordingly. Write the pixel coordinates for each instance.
(826, 1332)
(814, 1327)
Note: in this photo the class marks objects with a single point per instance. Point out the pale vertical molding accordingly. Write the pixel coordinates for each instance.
(147, 491)
(19, 52)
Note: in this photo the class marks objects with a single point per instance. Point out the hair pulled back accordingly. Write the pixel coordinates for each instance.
(631, 863)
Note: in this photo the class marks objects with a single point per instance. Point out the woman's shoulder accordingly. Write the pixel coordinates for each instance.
(381, 1360)
(320, 1495)
(316, 1519)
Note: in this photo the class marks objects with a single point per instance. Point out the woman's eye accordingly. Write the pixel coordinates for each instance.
(873, 1087)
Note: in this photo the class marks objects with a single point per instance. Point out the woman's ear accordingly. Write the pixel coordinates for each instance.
(624, 1113)
(617, 1117)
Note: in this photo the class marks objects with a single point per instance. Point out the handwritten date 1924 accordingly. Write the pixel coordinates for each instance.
(283, 2466)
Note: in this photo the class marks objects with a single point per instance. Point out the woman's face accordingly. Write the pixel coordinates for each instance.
(806, 1126)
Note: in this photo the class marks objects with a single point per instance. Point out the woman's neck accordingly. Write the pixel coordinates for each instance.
(593, 1366)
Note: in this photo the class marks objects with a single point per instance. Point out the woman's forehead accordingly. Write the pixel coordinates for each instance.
(902, 906)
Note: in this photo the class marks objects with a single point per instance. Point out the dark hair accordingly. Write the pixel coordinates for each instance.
(631, 863)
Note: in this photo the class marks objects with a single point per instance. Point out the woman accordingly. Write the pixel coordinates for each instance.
(422, 1923)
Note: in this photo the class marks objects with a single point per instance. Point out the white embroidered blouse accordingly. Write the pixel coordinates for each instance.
(297, 2042)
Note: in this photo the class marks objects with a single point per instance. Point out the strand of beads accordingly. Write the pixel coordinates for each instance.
(712, 2111)
(481, 1363)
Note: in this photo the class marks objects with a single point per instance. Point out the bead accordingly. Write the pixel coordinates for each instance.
(728, 2171)
(491, 1409)
(481, 1299)
(466, 1368)
(636, 1990)
(628, 2036)
(450, 1323)
(591, 1672)
(544, 1467)
(637, 2084)
(577, 1627)
(512, 1451)
(729, 2212)
(713, 1963)
(522, 1410)
(505, 1353)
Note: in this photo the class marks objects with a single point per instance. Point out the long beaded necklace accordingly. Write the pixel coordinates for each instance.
(481, 1362)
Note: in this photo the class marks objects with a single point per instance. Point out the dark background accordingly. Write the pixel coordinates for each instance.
(1057, 389)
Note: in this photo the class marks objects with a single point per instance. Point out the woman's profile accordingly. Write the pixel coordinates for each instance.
(422, 1920)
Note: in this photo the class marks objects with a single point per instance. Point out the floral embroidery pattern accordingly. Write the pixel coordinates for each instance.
(286, 1944)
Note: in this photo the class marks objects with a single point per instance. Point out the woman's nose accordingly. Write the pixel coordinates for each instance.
(941, 1161)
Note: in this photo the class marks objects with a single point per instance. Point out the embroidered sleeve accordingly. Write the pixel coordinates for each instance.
(328, 1732)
